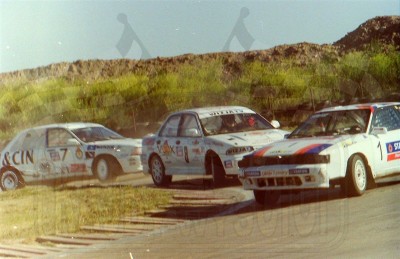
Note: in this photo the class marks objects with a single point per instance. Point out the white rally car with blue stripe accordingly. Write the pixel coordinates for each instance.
(67, 151)
(352, 146)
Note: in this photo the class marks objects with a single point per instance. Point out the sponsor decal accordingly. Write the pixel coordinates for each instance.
(94, 147)
(197, 151)
(54, 155)
(393, 156)
(262, 151)
(276, 152)
(228, 164)
(78, 153)
(214, 143)
(299, 171)
(89, 154)
(45, 167)
(77, 168)
(347, 143)
(393, 146)
(21, 157)
(233, 111)
(274, 173)
(165, 148)
(256, 133)
(313, 149)
(251, 173)
(148, 142)
(106, 147)
(179, 151)
(393, 150)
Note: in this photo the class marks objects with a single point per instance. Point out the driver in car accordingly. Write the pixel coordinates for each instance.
(228, 124)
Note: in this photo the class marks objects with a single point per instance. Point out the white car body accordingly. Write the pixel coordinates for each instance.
(319, 160)
(186, 150)
(67, 150)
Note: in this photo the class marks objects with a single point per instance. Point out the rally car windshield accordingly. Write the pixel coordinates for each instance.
(333, 123)
(233, 123)
(91, 134)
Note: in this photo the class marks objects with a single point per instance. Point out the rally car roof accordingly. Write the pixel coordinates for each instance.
(217, 109)
(69, 125)
(359, 106)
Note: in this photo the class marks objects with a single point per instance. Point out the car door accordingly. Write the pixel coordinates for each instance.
(191, 148)
(65, 154)
(387, 120)
(167, 142)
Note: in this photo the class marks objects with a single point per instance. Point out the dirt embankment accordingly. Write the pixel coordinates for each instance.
(385, 29)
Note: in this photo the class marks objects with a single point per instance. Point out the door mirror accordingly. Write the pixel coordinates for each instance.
(276, 124)
(192, 132)
(73, 142)
(379, 130)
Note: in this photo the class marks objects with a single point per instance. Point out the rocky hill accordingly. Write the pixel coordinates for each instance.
(381, 29)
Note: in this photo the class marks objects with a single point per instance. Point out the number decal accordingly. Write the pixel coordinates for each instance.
(65, 150)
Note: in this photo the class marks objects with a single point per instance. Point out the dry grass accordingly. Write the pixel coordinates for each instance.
(33, 211)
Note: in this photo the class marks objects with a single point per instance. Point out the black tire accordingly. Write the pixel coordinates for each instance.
(266, 198)
(10, 179)
(216, 169)
(157, 171)
(356, 180)
(105, 169)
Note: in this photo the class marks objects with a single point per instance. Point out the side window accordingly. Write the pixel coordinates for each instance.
(388, 117)
(58, 137)
(170, 128)
(189, 127)
(31, 139)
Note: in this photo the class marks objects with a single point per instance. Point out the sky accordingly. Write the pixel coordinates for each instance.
(37, 33)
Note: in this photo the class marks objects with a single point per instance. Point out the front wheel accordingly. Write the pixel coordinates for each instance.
(355, 182)
(266, 198)
(10, 179)
(216, 169)
(157, 171)
(104, 169)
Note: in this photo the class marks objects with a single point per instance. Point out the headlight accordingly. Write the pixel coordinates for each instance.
(239, 150)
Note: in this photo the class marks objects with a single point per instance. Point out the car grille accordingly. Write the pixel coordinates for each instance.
(303, 159)
(278, 181)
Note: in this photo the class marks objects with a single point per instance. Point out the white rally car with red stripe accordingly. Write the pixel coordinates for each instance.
(352, 146)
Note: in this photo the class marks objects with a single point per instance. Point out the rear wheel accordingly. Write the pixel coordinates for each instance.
(355, 182)
(10, 179)
(157, 170)
(266, 198)
(105, 169)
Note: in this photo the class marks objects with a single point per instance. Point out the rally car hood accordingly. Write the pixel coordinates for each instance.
(314, 145)
(118, 142)
(256, 139)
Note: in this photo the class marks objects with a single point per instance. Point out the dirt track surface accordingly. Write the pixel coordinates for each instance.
(314, 224)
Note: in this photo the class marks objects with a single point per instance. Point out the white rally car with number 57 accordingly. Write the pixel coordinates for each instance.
(65, 151)
(352, 146)
(206, 141)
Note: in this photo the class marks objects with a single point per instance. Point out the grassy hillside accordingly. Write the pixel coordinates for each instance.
(127, 93)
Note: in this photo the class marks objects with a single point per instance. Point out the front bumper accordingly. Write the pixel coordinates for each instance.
(131, 164)
(285, 177)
